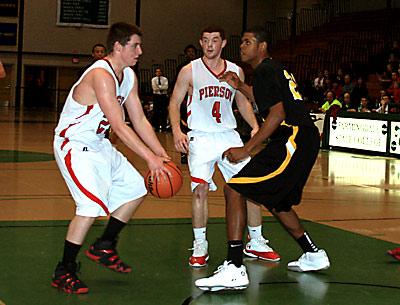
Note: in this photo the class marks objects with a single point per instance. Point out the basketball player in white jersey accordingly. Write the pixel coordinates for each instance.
(101, 180)
(212, 124)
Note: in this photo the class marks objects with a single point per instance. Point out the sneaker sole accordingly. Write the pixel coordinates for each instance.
(298, 269)
(79, 291)
(219, 288)
(97, 260)
(260, 257)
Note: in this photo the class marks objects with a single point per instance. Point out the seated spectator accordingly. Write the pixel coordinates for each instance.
(319, 81)
(347, 104)
(394, 88)
(331, 103)
(340, 76)
(359, 90)
(327, 85)
(384, 105)
(337, 88)
(348, 84)
(385, 78)
(364, 106)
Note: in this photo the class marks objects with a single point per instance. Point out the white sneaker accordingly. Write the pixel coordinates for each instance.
(259, 248)
(310, 261)
(200, 256)
(226, 277)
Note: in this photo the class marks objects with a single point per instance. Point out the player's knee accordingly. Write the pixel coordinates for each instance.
(201, 191)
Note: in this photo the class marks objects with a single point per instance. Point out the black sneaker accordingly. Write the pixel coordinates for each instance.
(65, 279)
(104, 253)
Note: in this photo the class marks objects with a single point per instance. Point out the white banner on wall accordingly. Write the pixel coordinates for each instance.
(394, 143)
(358, 133)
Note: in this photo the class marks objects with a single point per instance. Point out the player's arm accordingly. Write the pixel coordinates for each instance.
(140, 123)
(182, 86)
(238, 83)
(104, 89)
(245, 108)
(274, 118)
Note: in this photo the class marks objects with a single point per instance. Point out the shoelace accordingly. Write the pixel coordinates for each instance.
(222, 267)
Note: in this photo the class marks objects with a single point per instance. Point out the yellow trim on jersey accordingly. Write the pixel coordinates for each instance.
(290, 149)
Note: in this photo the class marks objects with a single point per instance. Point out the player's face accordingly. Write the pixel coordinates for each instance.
(249, 48)
(212, 44)
(132, 50)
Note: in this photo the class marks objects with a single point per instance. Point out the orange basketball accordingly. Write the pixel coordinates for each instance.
(165, 188)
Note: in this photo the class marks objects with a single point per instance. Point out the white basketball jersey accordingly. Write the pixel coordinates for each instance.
(210, 106)
(86, 125)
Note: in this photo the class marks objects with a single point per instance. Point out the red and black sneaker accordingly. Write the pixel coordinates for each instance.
(395, 253)
(65, 279)
(104, 253)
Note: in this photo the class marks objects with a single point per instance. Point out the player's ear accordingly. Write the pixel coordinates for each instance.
(263, 46)
(224, 43)
(117, 46)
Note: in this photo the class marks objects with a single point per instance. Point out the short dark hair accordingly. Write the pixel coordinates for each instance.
(99, 45)
(189, 46)
(213, 29)
(121, 32)
(259, 33)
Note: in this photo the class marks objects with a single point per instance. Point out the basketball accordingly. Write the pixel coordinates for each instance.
(165, 188)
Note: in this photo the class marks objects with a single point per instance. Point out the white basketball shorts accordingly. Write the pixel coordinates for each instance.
(205, 150)
(101, 180)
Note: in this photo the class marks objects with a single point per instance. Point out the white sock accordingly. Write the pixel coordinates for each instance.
(255, 232)
(200, 233)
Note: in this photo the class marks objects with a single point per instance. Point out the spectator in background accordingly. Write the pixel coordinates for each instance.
(319, 83)
(348, 84)
(359, 90)
(386, 77)
(347, 105)
(394, 88)
(364, 105)
(159, 84)
(384, 105)
(2, 70)
(331, 103)
(337, 88)
(99, 51)
(340, 76)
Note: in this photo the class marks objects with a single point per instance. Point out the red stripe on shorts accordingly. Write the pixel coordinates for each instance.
(198, 180)
(80, 186)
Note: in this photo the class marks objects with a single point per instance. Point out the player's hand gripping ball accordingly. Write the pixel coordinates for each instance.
(165, 187)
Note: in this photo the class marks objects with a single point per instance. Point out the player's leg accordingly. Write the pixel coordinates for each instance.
(201, 162)
(64, 276)
(313, 258)
(199, 256)
(257, 245)
(232, 273)
(89, 196)
(103, 250)
(126, 193)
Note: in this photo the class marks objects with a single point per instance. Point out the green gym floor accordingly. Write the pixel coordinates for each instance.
(351, 208)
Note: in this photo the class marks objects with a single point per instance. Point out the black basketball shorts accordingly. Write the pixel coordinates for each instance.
(275, 177)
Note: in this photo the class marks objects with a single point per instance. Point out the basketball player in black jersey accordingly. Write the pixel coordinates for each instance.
(275, 177)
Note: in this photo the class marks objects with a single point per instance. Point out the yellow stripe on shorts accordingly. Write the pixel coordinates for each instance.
(290, 149)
